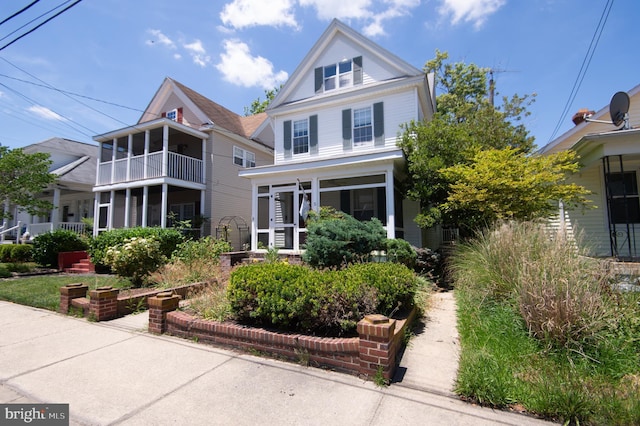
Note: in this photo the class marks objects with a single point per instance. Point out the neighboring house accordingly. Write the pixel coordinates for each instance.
(180, 162)
(336, 124)
(610, 159)
(74, 164)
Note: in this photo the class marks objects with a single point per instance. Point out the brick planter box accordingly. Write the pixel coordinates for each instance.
(376, 348)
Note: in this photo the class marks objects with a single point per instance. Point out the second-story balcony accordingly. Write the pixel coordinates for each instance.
(150, 166)
(157, 149)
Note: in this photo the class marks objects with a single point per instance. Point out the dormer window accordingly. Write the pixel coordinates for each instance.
(343, 74)
(174, 114)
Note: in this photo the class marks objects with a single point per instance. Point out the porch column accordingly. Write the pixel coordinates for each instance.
(96, 213)
(7, 206)
(55, 213)
(145, 202)
(202, 201)
(112, 201)
(163, 208)
(391, 215)
(147, 136)
(204, 162)
(127, 207)
(315, 193)
(98, 161)
(113, 160)
(129, 152)
(254, 216)
(165, 150)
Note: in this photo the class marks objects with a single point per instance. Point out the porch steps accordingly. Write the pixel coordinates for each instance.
(83, 266)
(81, 303)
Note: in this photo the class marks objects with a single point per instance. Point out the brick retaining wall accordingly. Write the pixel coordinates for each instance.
(380, 339)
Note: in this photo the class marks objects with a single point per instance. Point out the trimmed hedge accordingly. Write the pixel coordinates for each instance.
(16, 253)
(47, 246)
(295, 297)
(169, 239)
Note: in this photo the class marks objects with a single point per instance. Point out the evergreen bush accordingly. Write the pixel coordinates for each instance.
(47, 246)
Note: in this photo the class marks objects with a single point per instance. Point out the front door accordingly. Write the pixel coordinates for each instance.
(283, 217)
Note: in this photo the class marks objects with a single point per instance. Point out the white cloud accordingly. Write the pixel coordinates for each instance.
(46, 113)
(239, 67)
(395, 9)
(341, 9)
(475, 11)
(198, 53)
(248, 13)
(160, 38)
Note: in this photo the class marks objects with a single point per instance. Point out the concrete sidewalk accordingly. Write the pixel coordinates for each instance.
(116, 373)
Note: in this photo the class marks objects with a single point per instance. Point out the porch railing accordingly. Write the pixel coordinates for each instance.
(179, 166)
(36, 229)
(12, 232)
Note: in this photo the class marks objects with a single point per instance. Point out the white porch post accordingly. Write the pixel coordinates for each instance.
(202, 201)
(204, 161)
(147, 136)
(163, 208)
(165, 151)
(391, 215)
(112, 201)
(129, 154)
(127, 208)
(96, 213)
(254, 216)
(55, 213)
(113, 160)
(7, 206)
(145, 203)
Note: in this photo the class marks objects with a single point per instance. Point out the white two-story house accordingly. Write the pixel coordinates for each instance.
(180, 162)
(336, 123)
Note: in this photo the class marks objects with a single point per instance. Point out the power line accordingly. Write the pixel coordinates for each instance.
(41, 24)
(19, 12)
(585, 66)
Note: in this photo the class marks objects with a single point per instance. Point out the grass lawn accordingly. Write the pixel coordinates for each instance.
(43, 291)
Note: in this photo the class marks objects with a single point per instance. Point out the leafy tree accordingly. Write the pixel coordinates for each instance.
(465, 124)
(258, 106)
(507, 184)
(22, 177)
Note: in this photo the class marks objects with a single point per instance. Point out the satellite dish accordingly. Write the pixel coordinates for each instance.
(618, 108)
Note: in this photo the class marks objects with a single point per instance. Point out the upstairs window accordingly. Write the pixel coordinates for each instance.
(301, 136)
(343, 74)
(243, 158)
(362, 126)
(172, 115)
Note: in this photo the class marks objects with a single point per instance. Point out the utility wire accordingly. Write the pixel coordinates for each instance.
(584, 67)
(40, 25)
(19, 12)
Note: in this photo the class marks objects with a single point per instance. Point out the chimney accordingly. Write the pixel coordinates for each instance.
(579, 116)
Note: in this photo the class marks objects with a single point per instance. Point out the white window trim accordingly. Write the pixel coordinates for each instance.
(337, 75)
(174, 112)
(293, 137)
(248, 157)
(369, 142)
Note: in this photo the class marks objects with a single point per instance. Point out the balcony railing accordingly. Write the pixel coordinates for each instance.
(150, 166)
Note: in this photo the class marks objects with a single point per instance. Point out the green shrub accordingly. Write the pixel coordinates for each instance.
(338, 240)
(19, 253)
(400, 251)
(4, 272)
(135, 259)
(296, 297)
(206, 248)
(98, 246)
(47, 246)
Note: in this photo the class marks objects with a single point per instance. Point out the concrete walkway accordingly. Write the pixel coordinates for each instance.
(115, 373)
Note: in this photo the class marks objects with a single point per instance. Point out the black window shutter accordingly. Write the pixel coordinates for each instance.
(287, 139)
(378, 124)
(319, 79)
(357, 70)
(313, 134)
(346, 129)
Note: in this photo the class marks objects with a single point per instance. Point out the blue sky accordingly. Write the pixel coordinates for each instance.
(95, 67)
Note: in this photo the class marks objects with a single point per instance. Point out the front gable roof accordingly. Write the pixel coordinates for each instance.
(205, 110)
(73, 162)
(338, 32)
